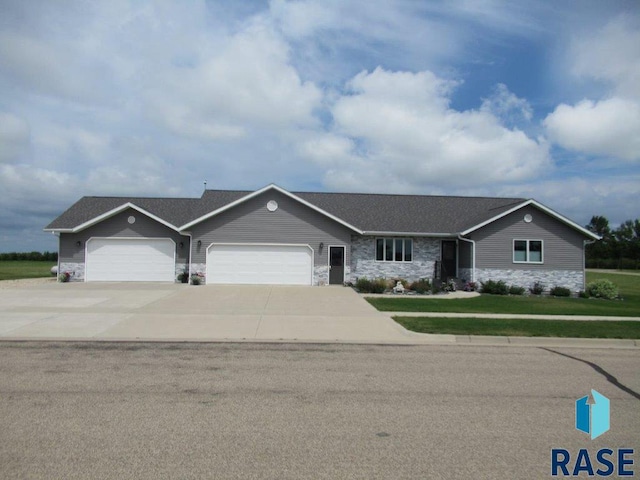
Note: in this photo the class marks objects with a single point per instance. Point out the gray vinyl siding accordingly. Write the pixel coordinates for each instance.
(292, 223)
(562, 245)
(118, 226)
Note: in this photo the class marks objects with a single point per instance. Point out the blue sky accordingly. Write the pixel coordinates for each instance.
(531, 99)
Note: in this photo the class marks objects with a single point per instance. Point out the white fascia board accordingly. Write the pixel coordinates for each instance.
(259, 192)
(409, 234)
(540, 206)
(111, 213)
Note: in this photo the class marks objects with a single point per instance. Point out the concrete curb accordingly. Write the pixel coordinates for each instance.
(511, 315)
(419, 339)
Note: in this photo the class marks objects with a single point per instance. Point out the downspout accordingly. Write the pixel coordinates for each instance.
(473, 256)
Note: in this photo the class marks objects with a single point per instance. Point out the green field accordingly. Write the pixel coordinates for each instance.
(12, 270)
(629, 306)
(511, 327)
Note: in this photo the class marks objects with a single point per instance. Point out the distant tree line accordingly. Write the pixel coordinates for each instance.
(618, 249)
(30, 256)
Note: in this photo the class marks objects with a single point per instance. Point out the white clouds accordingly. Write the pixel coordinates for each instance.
(246, 83)
(400, 133)
(609, 127)
(507, 106)
(613, 55)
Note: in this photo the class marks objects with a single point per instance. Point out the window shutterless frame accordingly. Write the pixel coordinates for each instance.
(527, 251)
(394, 249)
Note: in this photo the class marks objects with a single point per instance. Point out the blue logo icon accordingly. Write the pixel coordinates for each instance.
(593, 418)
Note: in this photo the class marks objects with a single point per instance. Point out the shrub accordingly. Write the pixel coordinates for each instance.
(560, 292)
(516, 290)
(583, 294)
(196, 279)
(379, 285)
(436, 287)
(64, 277)
(184, 277)
(364, 285)
(422, 285)
(537, 288)
(495, 288)
(602, 288)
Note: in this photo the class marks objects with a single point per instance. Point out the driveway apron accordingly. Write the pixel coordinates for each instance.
(147, 311)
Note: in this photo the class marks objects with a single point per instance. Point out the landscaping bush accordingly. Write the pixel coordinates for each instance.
(537, 288)
(602, 288)
(364, 285)
(379, 285)
(516, 290)
(560, 292)
(422, 286)
(495, 288)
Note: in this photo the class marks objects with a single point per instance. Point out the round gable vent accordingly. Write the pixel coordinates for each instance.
(131, 219)
(528, 218)
(272, 205)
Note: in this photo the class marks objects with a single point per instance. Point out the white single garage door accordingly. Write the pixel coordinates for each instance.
(130, 260)
(259, 264)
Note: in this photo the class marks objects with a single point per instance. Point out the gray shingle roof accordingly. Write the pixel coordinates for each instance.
(368, 212)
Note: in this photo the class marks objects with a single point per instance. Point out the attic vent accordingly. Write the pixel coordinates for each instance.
(528, 218)
(131, 219)
(272, 205)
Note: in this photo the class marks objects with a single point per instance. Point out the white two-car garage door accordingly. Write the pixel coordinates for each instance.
(259, 264)
(130, 260)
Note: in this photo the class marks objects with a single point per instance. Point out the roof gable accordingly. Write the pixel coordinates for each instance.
(242, 199)
(539, 206)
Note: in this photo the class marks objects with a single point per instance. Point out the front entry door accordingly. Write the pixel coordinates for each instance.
(336, 265)
(449, 260)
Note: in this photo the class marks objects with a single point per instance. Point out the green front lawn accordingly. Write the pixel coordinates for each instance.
(13, 270)
(629, 286)
(511, 327)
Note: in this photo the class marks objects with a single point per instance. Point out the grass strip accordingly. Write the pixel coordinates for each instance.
(16, 269)
(512, 327)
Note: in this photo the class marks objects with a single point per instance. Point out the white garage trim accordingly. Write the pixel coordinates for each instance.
(246, 263)
(130, 259)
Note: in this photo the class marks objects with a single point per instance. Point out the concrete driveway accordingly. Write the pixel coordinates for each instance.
(146, 311)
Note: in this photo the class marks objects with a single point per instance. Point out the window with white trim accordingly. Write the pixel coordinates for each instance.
(527, 251)
(393, 249)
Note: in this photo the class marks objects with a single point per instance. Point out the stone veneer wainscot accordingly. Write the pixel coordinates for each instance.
(426, 251)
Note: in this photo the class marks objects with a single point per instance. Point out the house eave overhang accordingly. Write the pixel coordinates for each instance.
(382, 233)
(109, 214)
(540, 206)
(261, 191)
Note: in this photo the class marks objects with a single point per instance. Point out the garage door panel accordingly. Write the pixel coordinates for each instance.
(259, 264)
(111, 259)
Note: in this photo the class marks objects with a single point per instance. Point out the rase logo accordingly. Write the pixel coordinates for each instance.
(592, 418)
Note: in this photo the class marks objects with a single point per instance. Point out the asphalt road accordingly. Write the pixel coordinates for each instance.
(154, 411)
